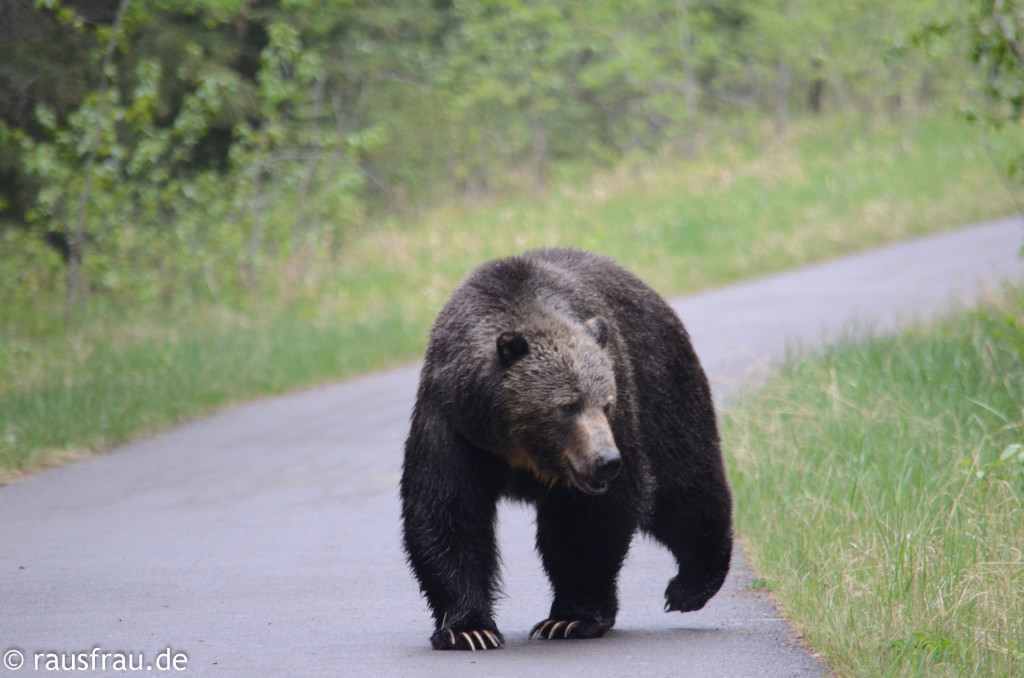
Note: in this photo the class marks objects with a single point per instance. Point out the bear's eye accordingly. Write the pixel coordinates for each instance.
(569, 409)
(609, 407)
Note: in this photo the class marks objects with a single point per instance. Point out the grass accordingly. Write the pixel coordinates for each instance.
(104, 386)
(881, 489)
(830, 188)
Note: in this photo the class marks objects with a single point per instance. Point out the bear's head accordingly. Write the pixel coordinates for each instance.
(557, 397)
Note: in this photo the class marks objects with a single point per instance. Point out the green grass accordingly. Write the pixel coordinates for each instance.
(98, 387)
(881, 490)
(830, 188)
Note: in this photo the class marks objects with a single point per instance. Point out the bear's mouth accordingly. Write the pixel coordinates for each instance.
(586, 484)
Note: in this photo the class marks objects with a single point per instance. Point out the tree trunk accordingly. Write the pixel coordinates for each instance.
(691, 92)
(74, 294)
(817, 89)
(896, 101)
(539, 150)
(255, 233)
(304, 228)
(782, 97)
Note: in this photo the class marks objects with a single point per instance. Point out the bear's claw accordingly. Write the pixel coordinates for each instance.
(472, 640)
(549, 628)
(683, 597)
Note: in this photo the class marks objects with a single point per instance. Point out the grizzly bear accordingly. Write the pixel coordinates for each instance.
(559, 378)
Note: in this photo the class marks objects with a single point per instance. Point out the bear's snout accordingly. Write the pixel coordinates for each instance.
(608, 467)
(598, 461)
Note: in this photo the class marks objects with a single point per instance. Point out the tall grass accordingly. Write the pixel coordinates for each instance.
(881, 488)
(833, 187)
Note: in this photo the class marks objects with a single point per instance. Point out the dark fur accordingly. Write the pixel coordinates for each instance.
(509, 355)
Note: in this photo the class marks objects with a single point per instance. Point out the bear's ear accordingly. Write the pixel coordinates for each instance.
(598, 329)
(511, 347)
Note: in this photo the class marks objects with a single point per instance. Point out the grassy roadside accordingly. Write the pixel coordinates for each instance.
(881, 488)
(830, 188)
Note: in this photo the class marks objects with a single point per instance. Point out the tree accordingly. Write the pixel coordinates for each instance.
(997, 48)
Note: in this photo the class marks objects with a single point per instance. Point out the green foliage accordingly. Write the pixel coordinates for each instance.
(181, 154)
(117, 371)
(993, 31)
(997, 47)
(997, 31)
(158, 223)
(223, 138)
(881, 487)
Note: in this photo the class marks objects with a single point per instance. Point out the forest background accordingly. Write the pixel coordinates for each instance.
(180, 178)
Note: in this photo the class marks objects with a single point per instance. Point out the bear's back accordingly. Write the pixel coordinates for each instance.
(671, 386)
(607, 288)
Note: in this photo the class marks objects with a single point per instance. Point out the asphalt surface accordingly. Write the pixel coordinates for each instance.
(264, 541)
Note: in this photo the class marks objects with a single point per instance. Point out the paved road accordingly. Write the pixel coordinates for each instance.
(264, 541)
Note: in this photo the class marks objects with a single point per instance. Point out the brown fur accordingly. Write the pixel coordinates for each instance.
(559, 378)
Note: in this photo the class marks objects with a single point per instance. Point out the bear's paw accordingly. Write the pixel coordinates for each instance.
(682, 596)
(560, 629)
(467, 639)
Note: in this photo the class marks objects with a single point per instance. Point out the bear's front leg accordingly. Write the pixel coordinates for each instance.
(695, 523)
(449, 496)
(583, 542)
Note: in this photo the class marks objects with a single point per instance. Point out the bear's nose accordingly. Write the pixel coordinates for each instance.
(608, 466)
